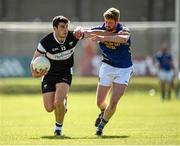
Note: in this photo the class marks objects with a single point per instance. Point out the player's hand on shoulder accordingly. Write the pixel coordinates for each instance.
(78, 32)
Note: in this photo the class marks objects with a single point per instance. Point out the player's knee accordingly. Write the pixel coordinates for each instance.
(99, 103)
(49, 108)
(121, 94)
(59, 103)
(113, 104)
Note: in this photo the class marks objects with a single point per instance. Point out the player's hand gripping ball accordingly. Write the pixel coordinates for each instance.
(41, 63)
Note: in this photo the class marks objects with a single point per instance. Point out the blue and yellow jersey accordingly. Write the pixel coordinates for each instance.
(116, 54)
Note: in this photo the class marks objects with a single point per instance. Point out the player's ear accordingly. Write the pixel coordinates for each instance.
(117, 23)
(55, 28)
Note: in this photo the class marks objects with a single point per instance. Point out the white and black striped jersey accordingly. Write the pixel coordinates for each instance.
(59, 54)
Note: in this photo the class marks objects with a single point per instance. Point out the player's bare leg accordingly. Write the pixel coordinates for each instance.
(48, 100)
(60, 110)
(101, 96)
(101, 101)
(162, 90)
(170, 87)
(117, 93)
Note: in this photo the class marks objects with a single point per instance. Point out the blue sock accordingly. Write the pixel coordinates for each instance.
(102, 124)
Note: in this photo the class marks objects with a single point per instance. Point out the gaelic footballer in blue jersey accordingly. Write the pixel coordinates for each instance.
(116, 69)
(58, 47)
(166, 71)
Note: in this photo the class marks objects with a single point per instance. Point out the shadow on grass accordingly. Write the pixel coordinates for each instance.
(93, 137)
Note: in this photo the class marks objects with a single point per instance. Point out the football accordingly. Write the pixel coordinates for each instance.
(41, 63)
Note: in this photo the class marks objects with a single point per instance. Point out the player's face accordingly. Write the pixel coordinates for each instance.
(110, 24)
(164, 49)
(62, 30)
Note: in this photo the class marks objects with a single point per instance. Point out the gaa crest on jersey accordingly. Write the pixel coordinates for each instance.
(45, 86)
(70, 43)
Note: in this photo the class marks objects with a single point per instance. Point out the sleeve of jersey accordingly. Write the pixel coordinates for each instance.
(170, 57)
(126, 29)
(157, 56)
(41, 49)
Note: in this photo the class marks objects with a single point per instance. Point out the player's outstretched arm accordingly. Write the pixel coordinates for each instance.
(81, 32)
(102, 35)
(112, 38)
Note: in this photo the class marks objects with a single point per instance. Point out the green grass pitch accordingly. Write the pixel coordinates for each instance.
(140, 118)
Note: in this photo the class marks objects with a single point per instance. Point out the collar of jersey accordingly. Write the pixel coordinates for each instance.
(57, 39)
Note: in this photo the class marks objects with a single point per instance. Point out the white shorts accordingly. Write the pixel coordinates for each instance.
(166, 75)
(109, 74)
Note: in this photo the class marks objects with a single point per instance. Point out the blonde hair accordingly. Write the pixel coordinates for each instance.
(112, 13)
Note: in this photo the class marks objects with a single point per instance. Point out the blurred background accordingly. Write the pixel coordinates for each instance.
(23, 23)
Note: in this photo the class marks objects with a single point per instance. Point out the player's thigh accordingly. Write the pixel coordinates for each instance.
(61, 92)
(117, 92)
(48, 91)
(102, 93)
(162, 76)
(170, 77)
(123, 75)
(48, 100)
(106, 75)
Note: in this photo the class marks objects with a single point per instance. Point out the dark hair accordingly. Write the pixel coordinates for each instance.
(58, 19)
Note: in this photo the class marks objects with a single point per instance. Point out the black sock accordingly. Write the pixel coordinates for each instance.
(58, 125)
